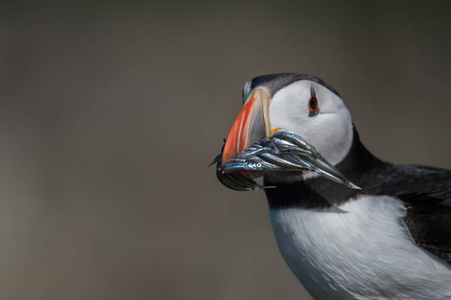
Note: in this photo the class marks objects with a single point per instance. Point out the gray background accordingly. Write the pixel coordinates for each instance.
(110, 113)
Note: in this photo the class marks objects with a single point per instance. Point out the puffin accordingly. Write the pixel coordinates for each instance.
(386, 236)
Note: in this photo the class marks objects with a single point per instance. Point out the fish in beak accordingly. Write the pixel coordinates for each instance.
(251, 148)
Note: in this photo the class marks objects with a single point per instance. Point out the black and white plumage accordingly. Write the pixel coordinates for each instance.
(389, 240)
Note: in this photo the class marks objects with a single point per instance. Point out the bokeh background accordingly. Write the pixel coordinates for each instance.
(110, 112)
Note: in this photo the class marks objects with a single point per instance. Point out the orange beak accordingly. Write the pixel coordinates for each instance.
(251, 125)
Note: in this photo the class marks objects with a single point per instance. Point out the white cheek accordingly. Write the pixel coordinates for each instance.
(286, 109)
(332, 135)
(330, 131)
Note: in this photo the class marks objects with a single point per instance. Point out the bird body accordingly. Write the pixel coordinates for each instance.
(358, 251)
(390, 239)
(365, 244)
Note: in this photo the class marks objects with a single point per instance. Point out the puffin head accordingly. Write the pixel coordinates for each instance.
(299, 103)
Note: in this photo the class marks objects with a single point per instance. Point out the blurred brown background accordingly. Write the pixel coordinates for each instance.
(110, 113)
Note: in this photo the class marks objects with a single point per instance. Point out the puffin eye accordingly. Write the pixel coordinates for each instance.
(313, 107)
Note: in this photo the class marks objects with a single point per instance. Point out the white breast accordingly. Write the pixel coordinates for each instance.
(361, 251)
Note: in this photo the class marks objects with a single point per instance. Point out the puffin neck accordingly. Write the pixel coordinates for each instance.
(359, 166)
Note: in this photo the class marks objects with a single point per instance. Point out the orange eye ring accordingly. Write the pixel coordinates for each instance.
(313, 106)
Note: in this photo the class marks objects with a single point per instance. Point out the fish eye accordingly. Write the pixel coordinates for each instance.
(313, 106)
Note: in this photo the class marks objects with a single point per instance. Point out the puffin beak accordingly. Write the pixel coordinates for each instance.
(251, 125)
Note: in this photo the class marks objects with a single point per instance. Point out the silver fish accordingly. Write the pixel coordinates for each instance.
(283, 151)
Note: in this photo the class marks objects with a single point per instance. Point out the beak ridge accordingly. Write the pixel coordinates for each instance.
(251, 124)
